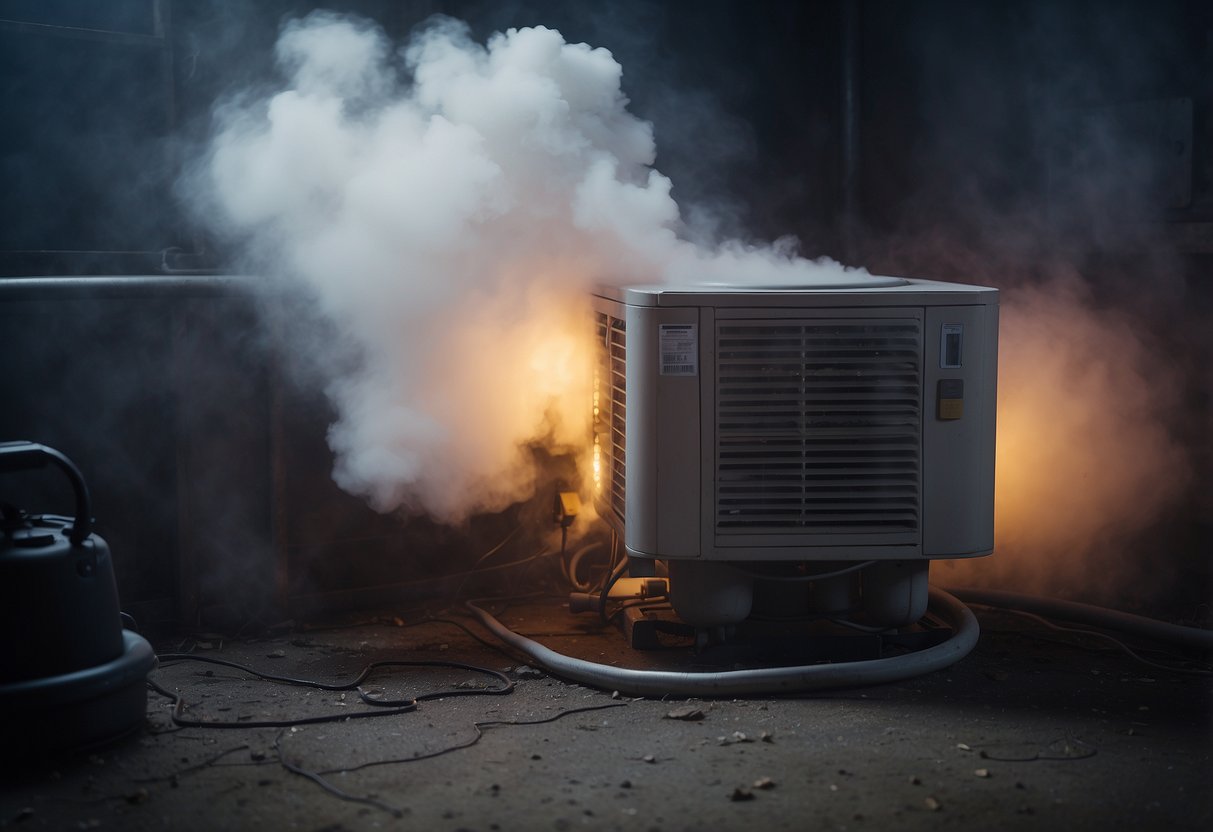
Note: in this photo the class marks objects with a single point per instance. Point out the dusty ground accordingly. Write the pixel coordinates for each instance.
(1024, 733)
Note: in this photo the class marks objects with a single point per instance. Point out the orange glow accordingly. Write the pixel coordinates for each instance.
(1084, 458)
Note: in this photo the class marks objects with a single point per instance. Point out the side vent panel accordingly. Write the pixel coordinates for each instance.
(610, 413)
(818, 427)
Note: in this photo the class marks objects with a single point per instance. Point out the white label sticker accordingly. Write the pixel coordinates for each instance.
(679, 350)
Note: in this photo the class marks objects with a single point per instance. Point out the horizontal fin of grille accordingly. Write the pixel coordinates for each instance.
(611, 420)
(818, 426)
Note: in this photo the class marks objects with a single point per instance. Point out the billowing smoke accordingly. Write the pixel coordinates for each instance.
(446, 206)
(1037, 165)
(1087, 460)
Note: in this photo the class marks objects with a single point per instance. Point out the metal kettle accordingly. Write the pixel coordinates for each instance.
(70, 674)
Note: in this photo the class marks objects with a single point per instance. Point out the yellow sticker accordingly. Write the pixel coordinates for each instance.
(951, 408)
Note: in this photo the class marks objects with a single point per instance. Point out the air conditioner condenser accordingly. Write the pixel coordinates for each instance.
(797, 450)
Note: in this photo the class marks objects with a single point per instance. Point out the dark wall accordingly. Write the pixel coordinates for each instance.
(158, 391)
(999, 141)
(1089, 117)
(967, 111)
(208, 469)
(103, 108)
(1043, 144)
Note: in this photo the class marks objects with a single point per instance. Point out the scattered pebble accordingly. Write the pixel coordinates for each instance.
(932, 804)
(964, 746)
(741, 793)
(764, 783)
(687, 714)
(982, 772)
(736, 736)
(915, 781)
(277, 654)
(649, 758)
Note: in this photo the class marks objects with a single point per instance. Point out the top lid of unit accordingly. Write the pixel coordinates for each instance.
(834, 282)
(857, 288)
(846, 280)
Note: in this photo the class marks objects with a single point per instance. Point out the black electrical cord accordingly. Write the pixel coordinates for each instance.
(475, 566)
(1187, 637)
(1179, 665)
(384, 707)
(564, 542)
(318, 778)
(477, 727)
(329, 787)
(648, 604)
(180, 721)
(607, 583)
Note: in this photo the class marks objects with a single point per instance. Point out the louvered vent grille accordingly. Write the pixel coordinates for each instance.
(818, 426)
(610, 411)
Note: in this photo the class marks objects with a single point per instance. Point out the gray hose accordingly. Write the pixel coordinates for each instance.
(758, 681)
(575, 562)
(1088, 614)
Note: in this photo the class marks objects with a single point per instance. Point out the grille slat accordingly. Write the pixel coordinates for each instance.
(610, 422)
(818, 427)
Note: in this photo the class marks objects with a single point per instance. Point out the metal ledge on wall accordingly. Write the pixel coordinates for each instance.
(132, 286)
(22, 27)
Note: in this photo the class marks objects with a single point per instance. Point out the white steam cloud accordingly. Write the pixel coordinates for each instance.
(447, 205)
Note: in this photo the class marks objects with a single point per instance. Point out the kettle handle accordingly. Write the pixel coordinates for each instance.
(26, 456)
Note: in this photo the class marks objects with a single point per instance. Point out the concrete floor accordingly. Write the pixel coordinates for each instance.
(1026, 732)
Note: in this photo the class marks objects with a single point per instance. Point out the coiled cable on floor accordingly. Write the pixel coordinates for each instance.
(758, 681)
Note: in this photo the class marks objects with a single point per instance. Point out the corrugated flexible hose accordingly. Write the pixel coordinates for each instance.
(757, 681)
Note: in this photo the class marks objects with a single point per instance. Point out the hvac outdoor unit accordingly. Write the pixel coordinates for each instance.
(797, 450)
